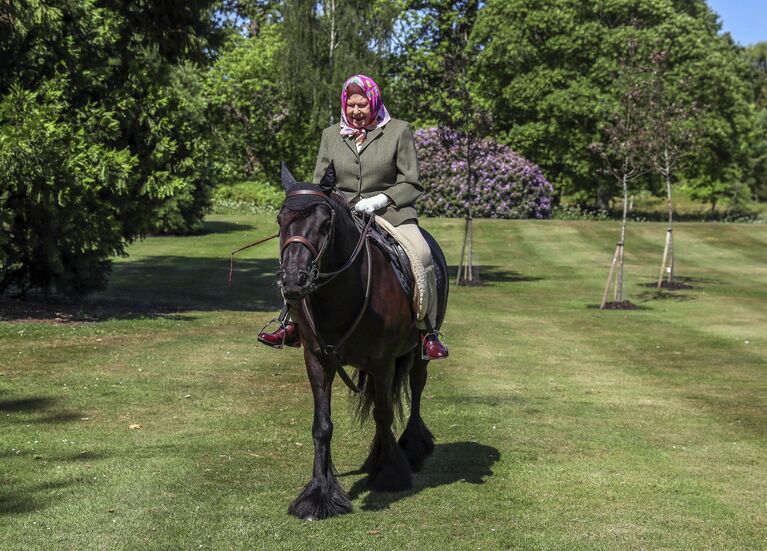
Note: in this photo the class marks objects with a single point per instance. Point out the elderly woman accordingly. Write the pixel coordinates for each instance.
(377, 170)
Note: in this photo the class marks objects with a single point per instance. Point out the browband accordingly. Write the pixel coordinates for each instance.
(306, 192)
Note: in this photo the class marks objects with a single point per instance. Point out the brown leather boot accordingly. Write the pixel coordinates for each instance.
(433, 349)
(284, 336)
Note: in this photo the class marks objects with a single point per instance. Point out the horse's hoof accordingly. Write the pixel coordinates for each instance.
(320, 500)
(391, 482)
(392, 476)
(418, 443)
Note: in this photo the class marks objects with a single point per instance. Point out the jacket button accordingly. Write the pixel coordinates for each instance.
(358, 176)
(356, 161)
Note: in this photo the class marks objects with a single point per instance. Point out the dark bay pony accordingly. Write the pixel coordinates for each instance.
(351, 310)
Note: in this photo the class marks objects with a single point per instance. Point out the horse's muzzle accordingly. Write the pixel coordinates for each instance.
(295, 286)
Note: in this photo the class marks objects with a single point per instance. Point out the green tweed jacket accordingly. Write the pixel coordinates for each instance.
(386, 163)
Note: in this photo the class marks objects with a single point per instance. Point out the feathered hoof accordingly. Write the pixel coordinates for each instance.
(392, 476)
(320, 500)
(418, 444)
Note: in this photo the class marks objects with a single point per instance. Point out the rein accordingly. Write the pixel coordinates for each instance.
(318, 279)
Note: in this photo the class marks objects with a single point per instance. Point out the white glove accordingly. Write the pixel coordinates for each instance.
(372, 204)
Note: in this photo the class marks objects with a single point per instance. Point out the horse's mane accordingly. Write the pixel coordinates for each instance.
(340, 200)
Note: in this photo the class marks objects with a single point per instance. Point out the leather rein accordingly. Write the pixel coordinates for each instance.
(318, 279)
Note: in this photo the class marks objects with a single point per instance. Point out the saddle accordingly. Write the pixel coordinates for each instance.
(395, 253)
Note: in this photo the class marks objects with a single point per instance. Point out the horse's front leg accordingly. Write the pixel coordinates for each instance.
(323, 496)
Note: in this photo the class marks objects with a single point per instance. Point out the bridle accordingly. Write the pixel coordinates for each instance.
(317, 279)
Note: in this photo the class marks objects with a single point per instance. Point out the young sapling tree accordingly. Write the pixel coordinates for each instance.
(624, 150)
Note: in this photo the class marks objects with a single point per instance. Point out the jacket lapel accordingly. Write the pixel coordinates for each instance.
(351, 144)
(372, 135)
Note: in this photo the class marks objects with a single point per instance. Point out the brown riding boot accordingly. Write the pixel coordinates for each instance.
(284, 336)
(433, 349)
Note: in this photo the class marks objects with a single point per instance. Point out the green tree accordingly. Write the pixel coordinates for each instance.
(625, 147)
(756, 56)
(249, 107)
(429, 73)
(545, 73)
(90, 147)
(673, 138)
(324, 43)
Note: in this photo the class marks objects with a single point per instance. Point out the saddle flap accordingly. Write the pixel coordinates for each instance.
(395, 253)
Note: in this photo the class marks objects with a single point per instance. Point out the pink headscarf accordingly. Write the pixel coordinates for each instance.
(377, 108)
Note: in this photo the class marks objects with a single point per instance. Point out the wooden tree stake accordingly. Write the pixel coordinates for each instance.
(616, 256)
(667, 265)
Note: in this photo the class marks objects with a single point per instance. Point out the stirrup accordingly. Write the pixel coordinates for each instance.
(283, 325)
(440, 337)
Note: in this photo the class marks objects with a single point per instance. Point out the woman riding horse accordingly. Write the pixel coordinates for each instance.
(376, 168)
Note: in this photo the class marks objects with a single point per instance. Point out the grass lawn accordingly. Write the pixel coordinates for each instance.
(151, 418)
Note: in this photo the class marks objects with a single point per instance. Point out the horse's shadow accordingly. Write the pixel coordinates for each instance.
(450, 463)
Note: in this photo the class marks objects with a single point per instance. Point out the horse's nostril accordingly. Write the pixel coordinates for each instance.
(302, 278)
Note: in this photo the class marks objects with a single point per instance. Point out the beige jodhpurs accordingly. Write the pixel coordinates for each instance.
(410, 232)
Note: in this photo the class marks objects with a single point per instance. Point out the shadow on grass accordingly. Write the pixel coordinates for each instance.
(450, 463)
(17, 405)
(660, 294)
(635, 308)
(172, 286)
(690, 282)
(215, 226)
(43, 406)
(493, 274)
(18, 498)
(161, 286)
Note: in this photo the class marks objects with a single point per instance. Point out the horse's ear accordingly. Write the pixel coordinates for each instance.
(288, 181)
(328, 182)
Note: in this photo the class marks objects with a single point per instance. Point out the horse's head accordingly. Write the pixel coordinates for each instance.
(307, 222)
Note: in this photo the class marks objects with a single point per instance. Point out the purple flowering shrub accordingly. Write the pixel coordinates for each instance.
(505, 185)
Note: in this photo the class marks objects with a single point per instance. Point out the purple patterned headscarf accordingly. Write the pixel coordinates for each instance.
(377, 108)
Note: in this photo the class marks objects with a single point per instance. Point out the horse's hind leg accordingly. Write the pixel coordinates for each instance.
(323, 496)
(387, 465)
(417, 441)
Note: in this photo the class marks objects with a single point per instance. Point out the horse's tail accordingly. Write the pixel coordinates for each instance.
(400, 391)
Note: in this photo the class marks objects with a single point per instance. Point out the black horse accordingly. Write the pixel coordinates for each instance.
(351, 310)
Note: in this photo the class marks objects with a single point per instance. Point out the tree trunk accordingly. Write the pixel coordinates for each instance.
(332, 11)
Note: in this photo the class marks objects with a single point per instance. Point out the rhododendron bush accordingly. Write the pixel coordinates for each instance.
(504, 184)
